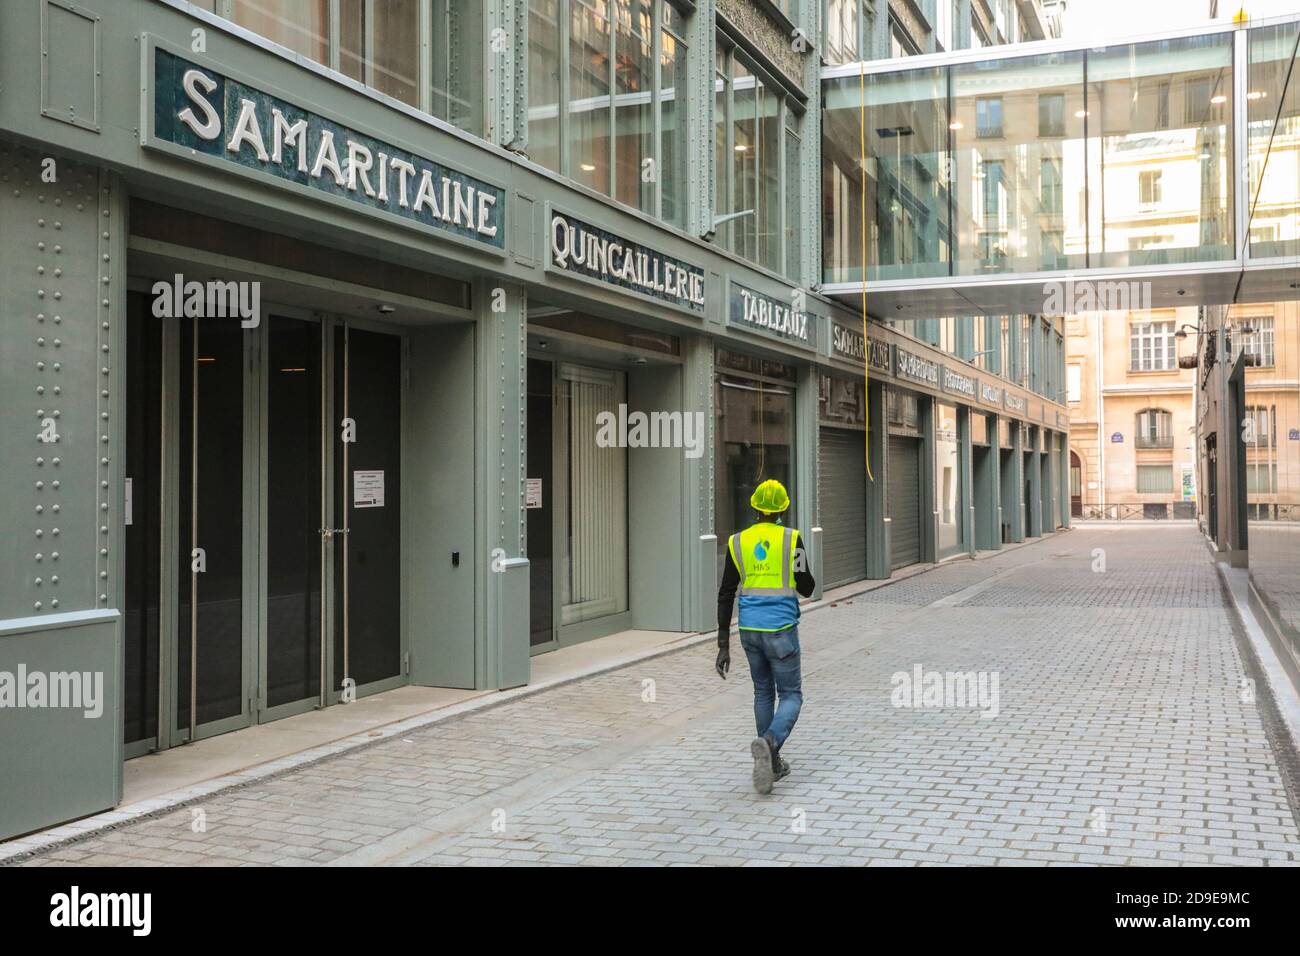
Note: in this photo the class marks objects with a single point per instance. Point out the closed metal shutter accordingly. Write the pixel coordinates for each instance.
(904, 501)
(842, 499)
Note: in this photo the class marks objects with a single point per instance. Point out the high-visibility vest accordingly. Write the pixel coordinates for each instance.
(764, 555)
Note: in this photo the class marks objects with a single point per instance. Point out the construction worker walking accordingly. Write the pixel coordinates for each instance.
(768, 564)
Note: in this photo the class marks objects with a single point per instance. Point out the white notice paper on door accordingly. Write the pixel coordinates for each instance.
(367, 489)
(532, 493)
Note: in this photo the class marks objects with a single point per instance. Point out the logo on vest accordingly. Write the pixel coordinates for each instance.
(760, 550)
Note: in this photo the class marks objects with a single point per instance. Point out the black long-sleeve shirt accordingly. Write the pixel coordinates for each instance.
(803, 583)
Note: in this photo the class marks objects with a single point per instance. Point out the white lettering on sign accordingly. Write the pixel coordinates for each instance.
(762, 312)
(367, 489)
(577, 247)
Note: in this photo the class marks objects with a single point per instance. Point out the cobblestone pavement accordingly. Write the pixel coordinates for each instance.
(1121, 736)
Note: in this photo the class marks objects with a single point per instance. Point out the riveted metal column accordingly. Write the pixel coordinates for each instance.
(60, 340)
(701, 176)
(501, 617)
(505, 51)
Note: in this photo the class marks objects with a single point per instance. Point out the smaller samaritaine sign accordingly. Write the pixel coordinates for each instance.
(581, 249)
(911, 366)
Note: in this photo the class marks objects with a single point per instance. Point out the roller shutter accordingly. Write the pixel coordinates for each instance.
(904, 501)
(842, 499)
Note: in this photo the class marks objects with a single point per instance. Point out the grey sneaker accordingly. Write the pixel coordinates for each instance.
(761, 750)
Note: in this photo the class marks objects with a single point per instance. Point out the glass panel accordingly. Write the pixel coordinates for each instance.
(300, 25)
(793, 204)
(842, 30)
(633, 112)
(589, 103)
(457, 62)
(1274, 141)
(721, 161)
(385, 53)
(540, 553)
(672, 88)
(1163, 109)
(544, 83)
(220, 468)
(906, 168)
(1019, 151)
(769, 173)
(745, 175)
(143, 524)
(293, 517)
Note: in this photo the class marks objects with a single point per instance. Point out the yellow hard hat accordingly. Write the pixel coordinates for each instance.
(770, 497)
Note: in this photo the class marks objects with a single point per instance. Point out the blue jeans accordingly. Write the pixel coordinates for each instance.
(774, 666)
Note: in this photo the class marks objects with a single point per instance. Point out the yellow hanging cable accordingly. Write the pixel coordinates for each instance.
(866, 344)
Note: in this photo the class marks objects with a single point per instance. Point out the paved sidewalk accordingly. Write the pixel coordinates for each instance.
(1121, 736)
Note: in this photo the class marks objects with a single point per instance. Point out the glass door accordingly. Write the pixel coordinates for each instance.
(212, 632)
(293, 551)
(366, 535)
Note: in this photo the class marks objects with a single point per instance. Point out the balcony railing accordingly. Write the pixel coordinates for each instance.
(1154, 441)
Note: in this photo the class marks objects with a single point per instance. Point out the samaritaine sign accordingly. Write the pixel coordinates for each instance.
(202, 114)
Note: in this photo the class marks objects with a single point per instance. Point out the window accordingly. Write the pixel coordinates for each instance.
(1259, 429)
(900, 41)
(1152, 347)
(1051, 114)
(1050, 193)
(994, 190)
(625, 65)
(757, 146)
(1260, 341)
(1053, 248)
(379, 44)
(1149, 187)
(1074, 383)
(1261, 478)
(1155, 429)
(842, 18)
(988, 116)
(1155, 479)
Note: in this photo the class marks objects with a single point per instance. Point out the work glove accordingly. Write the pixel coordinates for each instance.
(723, 663)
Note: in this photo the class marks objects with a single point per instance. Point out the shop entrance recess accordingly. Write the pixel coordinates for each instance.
(263, 520)
(576, 502)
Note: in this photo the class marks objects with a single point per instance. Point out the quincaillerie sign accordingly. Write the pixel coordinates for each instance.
(908, 365)
(762, 313)
(580, 249)
(201, 114)
(957, 383)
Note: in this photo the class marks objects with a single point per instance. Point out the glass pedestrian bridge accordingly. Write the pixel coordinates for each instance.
(1171, 159)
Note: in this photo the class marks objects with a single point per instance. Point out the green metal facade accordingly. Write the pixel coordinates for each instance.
(84, 132)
